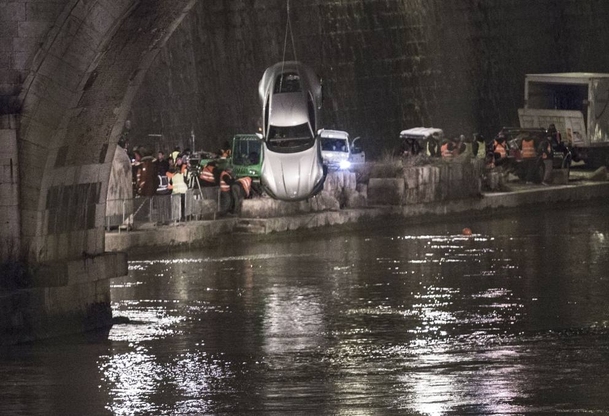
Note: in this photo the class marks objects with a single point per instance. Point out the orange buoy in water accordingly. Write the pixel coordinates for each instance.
(466, 231)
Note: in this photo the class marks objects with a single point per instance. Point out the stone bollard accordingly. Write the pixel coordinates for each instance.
(598, 175)
(560, 176)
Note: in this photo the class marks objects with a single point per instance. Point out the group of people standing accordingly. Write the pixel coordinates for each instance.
(233, 190)
(531, 153)
(174, 175)
(495, 153)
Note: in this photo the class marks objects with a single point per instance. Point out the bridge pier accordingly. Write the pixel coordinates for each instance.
(40, 301)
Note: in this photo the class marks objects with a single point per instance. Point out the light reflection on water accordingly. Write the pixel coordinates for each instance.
(401, 319)
(426, 323)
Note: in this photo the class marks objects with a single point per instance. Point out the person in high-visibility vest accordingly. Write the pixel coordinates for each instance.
(175, 154)
(179, 188)
(207, 177)
(447, 150)
(500, 150)
(240, 189)
(529, 158)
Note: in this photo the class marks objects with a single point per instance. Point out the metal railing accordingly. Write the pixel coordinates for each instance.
(194, 205)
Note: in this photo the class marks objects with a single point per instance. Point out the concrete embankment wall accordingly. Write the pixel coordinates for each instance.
(371, 191)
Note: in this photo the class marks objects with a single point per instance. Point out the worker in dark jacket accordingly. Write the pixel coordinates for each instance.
(226, 180)
(479, 147)
(547, 155)
(240, 189)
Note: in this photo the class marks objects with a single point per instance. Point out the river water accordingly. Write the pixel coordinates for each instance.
(394, 318)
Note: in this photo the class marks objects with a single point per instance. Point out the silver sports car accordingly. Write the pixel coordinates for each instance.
(290, 94)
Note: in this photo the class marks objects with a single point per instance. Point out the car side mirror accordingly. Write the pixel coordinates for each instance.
(355, 146)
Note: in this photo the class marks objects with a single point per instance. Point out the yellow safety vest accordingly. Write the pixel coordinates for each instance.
(179, 186)
(481, 150)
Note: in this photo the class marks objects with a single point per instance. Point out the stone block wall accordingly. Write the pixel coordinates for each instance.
(438, 182)
(340, 191)
(9, 189)
(386, 65)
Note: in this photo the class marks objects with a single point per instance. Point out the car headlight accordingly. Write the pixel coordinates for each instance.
(344, 164)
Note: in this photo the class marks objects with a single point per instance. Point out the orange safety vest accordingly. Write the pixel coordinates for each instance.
(207, 175)
(224, 186)
(500, 148)
(447, 154)
(246, 182)
(528, 149)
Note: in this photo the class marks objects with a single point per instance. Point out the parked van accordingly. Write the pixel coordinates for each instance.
(338, 151)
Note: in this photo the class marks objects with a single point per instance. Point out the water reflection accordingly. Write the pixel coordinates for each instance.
(401, 319)
(424, 322)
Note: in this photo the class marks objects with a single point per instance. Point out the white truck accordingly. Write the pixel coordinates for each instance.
(577, 104)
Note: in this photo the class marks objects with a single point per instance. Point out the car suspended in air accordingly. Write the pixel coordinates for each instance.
(292, 167)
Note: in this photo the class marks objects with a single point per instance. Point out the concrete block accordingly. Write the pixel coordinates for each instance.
(598, 175)
(33, 29)
(355, 199)
(49, 114)
(560, 176)
(385, 191)
(8, 143)
(115, 7)
(29, 45)
(43, 11)
(12, 12)
(6, 45)
(9, 29)
(99, 19)
(412, 177)
(75, 45)
(61, 71)
(9, 194)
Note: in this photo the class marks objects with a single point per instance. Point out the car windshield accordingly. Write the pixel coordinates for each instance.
(333, 145)
(246, 152)
(288, 82)
(290, 138)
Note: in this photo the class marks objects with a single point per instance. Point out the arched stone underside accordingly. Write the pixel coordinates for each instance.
(73, 105)
(59, 129)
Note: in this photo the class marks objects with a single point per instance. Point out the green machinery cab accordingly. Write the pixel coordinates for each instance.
(247, 156)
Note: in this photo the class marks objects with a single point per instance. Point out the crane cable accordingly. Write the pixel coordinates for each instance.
(288, 29)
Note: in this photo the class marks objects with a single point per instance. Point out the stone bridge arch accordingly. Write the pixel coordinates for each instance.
(69, 74)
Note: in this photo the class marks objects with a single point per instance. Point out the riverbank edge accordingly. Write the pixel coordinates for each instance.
(221, 231)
